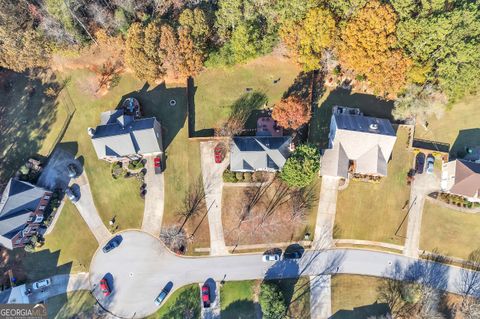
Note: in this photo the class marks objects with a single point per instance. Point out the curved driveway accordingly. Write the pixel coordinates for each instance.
(141, 266)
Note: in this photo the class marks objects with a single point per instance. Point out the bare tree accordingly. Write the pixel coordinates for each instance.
(193, 202)
(254, 196)
(302, 201)
(173, 237)
(469, 287)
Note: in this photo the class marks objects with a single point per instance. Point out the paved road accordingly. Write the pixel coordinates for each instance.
(321, 297)
(142, 264)
(327, 207)
(421, 187)
(87, 209)
(213, 185)
(154, 200)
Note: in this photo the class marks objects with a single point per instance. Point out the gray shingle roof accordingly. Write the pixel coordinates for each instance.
(17, 202)
(251, 153)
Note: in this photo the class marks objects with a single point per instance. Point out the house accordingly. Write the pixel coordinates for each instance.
(358, 144)
(259, 153)
(125, 137)
(461, 177)
(22, 206)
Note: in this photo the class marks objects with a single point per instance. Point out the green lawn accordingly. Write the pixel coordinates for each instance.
(218, 88)
(355, 297)
(449, 231)
(184, 300)
(68, 248)
(374, 211)
(78, 304)
(459, 126)
(236, 299)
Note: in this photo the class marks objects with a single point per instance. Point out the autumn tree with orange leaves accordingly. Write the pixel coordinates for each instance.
(369, 47)
(291, 113)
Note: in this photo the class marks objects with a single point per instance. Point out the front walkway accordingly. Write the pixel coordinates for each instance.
(320, 297)
(154, 200)
(213, 185)
(327, 207)
(423, 185)
(87, 209)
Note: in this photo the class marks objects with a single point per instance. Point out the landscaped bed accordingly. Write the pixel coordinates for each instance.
(377, 211)
(449, 231)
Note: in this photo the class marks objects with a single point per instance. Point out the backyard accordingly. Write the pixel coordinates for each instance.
(355, 297)
(449, 231)
(78, 304)
(376, 212)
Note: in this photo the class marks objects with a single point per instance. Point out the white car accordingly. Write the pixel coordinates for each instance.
(41, 284)
(271, 257)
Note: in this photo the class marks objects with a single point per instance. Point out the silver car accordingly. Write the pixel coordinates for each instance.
(41, 284)
(271, 257)
(161, 297)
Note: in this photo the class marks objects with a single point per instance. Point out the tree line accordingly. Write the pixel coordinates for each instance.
(425, 51)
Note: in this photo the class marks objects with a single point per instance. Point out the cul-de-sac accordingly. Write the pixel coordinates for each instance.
(240, 159)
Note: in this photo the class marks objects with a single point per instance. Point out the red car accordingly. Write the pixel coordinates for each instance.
(219, 152)
(104, 287)
(157, 163)
(206, 296)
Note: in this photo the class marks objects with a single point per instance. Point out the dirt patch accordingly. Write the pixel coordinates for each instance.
(262, 214)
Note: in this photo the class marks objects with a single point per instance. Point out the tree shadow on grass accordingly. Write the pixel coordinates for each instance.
(156, 102)
(364, 312)
(239, 309)
(465, 138)
(370, 105)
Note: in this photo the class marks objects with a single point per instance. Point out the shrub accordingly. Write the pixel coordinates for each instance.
(247, 177)
(239, 176)
(229, 176)
(272, 301)
(360, 77)
(302, 166)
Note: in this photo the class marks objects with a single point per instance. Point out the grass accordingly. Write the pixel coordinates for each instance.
(375, 211)
(459, 125)
(184, 299)
(449, 231)
(218, 88)
(68, 248)
(355, 297)
(236, 299)
(78, 304)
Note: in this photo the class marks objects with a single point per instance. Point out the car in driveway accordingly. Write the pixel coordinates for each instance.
(430, 164)
(41, 284)
(72, 170)
(71, 195)
(271, 257)
(112, 244)
(419, 163)
(157, 164)
(206, 296)
(104, 287)
(219, 152)
(161, 297)
(292, 255)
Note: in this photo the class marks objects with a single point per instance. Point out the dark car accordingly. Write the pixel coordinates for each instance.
(71, 195)
(206, 296)
(72, 171)
(104, 287)
(161, 297)
(293, 255)
(157, 164)
(110, 245)
(419, 163)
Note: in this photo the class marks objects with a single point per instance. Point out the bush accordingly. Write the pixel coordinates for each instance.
(360, 77)
(133, 165)
(239, 176)
(229, 176)
(272, 301)
(247, 177)
(302, 166)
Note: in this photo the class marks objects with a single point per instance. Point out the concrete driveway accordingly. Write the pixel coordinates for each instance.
(154, 200)
(327, 207)
(141, 266)
(213, 185)
(87, 209)
(423, 185)
(60, 285)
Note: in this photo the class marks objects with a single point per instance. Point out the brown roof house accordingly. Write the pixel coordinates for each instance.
(21, 212)
(358, 144)
(462, 177)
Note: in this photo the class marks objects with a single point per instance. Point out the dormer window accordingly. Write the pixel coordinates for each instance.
(42, 207)
(38, 219)
(46, 197)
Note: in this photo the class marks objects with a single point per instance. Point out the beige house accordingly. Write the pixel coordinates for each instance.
(462, 178)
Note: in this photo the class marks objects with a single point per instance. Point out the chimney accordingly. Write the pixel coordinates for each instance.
(91, 131)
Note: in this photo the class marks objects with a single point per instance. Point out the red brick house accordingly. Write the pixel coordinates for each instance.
(22, 206)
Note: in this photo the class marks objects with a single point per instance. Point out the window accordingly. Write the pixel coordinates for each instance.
(46, 197)
(42, 207)
(38, 219)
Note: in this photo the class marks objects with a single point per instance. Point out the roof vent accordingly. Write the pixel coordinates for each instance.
(374, 126)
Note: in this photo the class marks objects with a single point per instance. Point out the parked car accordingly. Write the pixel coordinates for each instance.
(419, 163)
(72, 170)
(206, 296)
(161, 297)
(430, 163)
(71, 195)
(41, 284)
(219, 153)
(104, 287)
(271, 257)
(112, 244)
(293, 255)
(157, 164)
